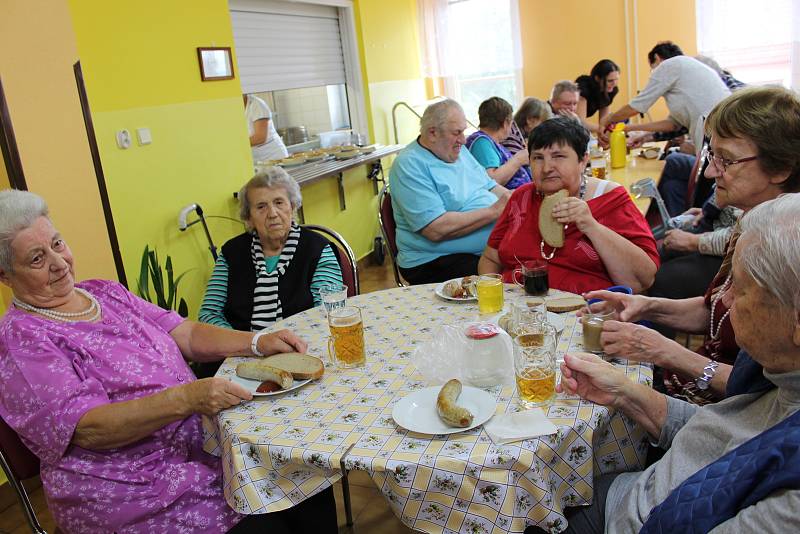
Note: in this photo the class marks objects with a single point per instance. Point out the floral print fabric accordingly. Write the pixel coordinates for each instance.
(52, 373)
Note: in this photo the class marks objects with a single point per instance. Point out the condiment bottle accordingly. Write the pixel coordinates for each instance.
(618, 147)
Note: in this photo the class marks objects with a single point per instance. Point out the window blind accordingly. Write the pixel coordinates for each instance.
(276, 51)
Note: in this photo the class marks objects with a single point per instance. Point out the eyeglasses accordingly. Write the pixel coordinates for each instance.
(721, 163)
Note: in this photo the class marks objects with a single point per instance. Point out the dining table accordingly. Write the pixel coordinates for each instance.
(279, 450)
(638, 167)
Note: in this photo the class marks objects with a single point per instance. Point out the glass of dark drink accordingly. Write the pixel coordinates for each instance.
(533, 274)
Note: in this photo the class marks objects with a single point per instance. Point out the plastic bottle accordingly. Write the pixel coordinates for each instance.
(619, 150)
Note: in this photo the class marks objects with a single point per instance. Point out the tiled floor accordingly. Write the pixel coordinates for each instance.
(371, 513)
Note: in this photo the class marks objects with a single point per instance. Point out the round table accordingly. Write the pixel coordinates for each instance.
(279, 450)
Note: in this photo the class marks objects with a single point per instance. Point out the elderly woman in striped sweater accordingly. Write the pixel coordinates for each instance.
(275, 268)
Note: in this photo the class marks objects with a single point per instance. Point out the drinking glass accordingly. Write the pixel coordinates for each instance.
(534, 277)
(346, 344)
(489, 288)
(333, 295)
(527, 309)
(592, 322)
(535, 364)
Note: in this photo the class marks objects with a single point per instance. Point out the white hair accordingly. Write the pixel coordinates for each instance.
(773, 255)
(18, 210)
(436, 115)
(270, 178)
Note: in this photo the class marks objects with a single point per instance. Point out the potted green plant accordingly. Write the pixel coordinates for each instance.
(164, 289)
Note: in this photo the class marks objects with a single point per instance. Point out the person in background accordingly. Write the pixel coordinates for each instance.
(753, 158)
(692, 255)
(273, 270)
(729, 467)
(494, 126)
(597, 92)
(607, 240)
(689, 88)
(727, 78)
(564, 99)
(444, 202)
(265, 143)
(531, 112)
(94, 380)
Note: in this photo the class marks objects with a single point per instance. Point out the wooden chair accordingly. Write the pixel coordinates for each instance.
(19, 464)
(345, 255)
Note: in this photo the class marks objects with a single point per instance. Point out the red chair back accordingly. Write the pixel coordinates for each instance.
(389, 230)
(345, 256)
(22, 462)
(694, 176)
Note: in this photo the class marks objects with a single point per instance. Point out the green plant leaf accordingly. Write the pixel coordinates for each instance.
(172, 290)
(142, 283)
(183, 308)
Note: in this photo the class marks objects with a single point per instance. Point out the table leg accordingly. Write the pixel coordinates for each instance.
(348, 511)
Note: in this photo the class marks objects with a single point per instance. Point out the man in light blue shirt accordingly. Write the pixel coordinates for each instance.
(444, 202)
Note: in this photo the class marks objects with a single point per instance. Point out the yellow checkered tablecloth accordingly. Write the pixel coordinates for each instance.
(277, 451)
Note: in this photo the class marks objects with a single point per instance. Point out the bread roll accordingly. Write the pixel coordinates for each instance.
(552, 231)
(300, 366)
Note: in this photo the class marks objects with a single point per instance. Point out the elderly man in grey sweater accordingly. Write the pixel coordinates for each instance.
(766, 317)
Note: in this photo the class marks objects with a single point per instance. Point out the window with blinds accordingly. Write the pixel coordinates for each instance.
(284, 50)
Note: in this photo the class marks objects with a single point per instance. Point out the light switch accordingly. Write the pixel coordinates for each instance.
(123, 139)
(144, 136)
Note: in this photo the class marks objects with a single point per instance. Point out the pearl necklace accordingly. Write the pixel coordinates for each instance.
(581, 194)
(94, 306)
(714, 300)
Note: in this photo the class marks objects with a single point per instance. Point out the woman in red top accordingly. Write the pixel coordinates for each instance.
(606, 239)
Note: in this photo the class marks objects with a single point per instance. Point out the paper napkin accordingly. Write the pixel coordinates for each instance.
(517, 426)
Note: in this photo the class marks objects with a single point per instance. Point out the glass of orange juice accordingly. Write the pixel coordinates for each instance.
(346, 344)
(489, 288)
(535, 364)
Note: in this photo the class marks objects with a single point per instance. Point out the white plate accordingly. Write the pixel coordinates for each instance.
(439, 290)
(251, 385)
(417, 411)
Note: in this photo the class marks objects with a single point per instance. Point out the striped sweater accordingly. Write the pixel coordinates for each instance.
(212, 309)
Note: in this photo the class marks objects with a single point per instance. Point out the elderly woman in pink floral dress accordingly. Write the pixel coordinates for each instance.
(94, 381)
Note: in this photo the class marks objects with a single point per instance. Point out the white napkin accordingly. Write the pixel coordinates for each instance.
(517, 426)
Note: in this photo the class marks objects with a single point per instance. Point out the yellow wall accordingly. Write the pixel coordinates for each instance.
(5, 294)
(562, 40)
(141, 70)
(39, 50)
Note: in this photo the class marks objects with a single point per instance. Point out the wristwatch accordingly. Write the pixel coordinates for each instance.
(703, 381)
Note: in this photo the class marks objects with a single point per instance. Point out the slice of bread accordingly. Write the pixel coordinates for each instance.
(552, 231)
(565, 304)
(301, 366)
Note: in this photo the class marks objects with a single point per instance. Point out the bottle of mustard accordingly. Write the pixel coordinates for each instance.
(619, 150)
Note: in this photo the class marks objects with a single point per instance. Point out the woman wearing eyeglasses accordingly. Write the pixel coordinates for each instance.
(754, 157)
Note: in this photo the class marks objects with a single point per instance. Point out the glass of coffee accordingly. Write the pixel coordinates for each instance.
(592, 322)
(534, 277)
(535, 364)
(346, 344)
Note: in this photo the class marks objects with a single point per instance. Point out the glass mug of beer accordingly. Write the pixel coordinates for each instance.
(535, 364)
(346, 344)
(489, 288)
(534, 277)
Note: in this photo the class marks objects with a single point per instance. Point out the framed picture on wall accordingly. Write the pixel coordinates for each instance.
(215, 63)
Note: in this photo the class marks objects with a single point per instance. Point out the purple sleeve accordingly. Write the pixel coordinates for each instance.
(42, 395)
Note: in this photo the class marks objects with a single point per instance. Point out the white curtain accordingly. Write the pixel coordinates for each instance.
(758, 42)
(473, 46)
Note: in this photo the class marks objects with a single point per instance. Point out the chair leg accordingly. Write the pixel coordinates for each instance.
(348, 509)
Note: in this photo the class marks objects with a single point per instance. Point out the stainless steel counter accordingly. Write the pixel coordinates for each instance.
(309, 173)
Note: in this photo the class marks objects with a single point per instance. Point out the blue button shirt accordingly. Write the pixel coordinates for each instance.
(424, 188)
